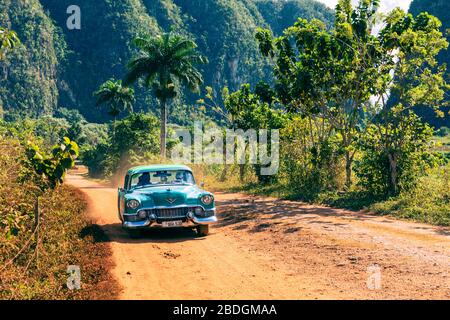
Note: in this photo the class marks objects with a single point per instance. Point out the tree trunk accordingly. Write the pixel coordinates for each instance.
(114, 128)
(348, 170)
(163, 133)
(224, 174)
(241, 172)
(393, 174)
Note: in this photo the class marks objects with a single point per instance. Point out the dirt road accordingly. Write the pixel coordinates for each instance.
(265, 248)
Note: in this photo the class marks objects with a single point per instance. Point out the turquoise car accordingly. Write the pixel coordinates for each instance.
(164, 196)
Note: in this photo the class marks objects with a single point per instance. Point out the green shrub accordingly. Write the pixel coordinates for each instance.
(131, 140)
(34, 265)
(442, 132)
(428, 201)
(395, 155)
(309, 167)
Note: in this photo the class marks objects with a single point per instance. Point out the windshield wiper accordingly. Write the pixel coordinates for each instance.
(140, 187)
(160, 185)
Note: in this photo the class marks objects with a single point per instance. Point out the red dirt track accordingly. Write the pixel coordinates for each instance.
(264, 248)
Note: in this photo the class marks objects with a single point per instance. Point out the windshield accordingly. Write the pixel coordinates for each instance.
(163, 177)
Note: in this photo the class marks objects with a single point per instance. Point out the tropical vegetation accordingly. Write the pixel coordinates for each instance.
(164, 63)
(359, 100)
(57, 67)
(349, 129)
(35, 246)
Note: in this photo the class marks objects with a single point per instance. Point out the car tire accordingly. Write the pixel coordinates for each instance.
(203, 231)
(134, 233)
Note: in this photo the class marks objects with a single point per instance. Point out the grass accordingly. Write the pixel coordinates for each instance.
(353, 200)
(428, 201)
(66, 237)
(441, 144)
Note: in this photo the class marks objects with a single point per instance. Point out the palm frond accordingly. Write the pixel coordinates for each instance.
(116, 96)
(143, 66)
(165, 56)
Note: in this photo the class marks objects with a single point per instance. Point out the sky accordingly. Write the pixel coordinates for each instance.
(386, 5)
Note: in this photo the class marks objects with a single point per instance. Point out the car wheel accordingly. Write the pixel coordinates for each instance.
(203, 231)
(134, 233)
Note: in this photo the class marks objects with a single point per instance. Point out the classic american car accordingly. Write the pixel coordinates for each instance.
(164, 196)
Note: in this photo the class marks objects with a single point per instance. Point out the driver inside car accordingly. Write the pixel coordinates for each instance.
(179, 177)
(144, 179)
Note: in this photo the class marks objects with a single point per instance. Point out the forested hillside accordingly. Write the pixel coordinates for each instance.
(58, 67)
(28, 78)
(440, 9)
(281, 14)
(322, 112)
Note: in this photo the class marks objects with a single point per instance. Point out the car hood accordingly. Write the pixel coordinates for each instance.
(162, 196)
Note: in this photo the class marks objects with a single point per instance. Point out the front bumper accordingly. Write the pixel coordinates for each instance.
(190, 221)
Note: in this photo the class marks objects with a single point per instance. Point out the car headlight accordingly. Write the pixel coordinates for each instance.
(207, 199)
(133, 204)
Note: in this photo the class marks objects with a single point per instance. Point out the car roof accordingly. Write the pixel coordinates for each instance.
(157, 167)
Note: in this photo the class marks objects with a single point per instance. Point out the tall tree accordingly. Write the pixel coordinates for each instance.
(410, 46)
(248, 111)
(117, 97)
(441, 10)
(331, 75)
(328, 75)
(165, 62)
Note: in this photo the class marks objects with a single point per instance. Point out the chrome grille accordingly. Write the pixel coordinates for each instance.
(171, 213)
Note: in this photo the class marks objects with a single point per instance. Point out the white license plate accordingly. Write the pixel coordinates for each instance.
(171, 224)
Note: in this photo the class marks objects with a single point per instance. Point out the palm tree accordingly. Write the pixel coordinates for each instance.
(8, 40)
(164, 62)
(118, 98)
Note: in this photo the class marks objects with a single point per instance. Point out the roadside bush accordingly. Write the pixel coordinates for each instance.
(395, 155)
(34, 261)
(135, 139)
(309, 166)
(48, 130)
(428, 201)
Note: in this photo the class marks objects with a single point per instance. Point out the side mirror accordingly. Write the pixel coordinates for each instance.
(121, 189)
